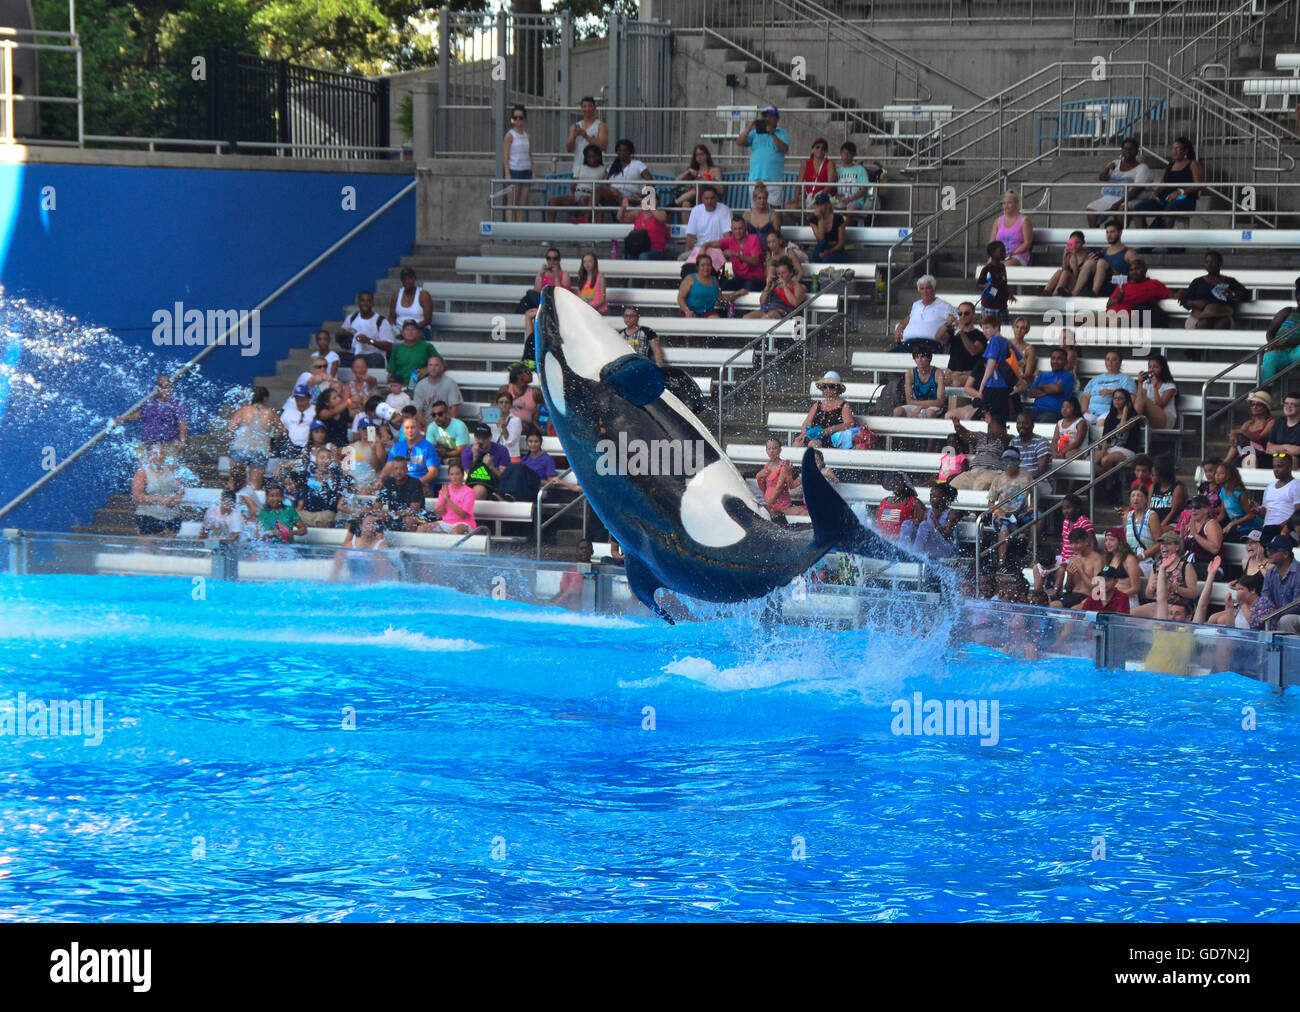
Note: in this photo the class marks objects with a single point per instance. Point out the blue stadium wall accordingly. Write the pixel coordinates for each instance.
(123, 242)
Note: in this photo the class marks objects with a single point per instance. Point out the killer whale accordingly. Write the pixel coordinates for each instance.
(696, 530)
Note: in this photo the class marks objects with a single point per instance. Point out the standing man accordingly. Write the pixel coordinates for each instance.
(588, 130)
(768, 144)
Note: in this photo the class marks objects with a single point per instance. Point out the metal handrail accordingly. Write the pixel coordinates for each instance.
(475, 533)
(220, 342)
(1088, 448)
(541, 526)
(1259, 352)
(802, 310)
(994, 175)
(1253, 21)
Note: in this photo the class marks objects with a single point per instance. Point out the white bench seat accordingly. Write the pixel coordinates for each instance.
(1041, 305)
(460, 291)
(542, 231)
(472, 379)
(527, 267)
(665, 326)
(1176, 278)
(873, 460)
(1209, 238)
(877, 362)
(499, 351)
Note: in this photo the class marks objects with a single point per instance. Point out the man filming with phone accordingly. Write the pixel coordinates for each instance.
(768, 144)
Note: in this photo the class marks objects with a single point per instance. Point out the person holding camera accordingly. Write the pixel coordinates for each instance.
(768, 144)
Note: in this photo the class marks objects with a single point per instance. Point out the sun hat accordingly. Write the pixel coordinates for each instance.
(831, 377)
(1262, 397)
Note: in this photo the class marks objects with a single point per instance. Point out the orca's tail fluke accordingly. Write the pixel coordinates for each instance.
(834, 525)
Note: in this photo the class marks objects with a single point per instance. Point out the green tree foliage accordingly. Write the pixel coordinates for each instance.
(138, 54)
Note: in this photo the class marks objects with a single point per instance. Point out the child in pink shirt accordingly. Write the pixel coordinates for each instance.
(455, 506)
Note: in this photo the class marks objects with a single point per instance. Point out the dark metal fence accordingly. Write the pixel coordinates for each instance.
(262, 105)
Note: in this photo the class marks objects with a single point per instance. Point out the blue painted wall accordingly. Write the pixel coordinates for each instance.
(124, 242)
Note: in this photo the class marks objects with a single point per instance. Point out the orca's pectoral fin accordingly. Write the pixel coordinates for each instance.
(637, 379)
(834, 525)
(643, 584)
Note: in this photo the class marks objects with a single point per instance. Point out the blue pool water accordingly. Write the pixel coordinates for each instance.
(499, 769)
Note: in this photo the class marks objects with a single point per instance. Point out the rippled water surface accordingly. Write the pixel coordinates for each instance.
(501, 767)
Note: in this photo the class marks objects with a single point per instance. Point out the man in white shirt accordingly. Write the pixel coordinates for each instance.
(1281, 497)
(298, 417)
(367, 334)
(928, 316)
(710, 219)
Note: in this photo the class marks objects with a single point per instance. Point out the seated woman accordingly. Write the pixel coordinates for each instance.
(925, 394)
(550, 274)
(781, 295)
(932, 536)
(760, 219)
(647, 219)
(777, 248)
(586, 177)
(1183, 585)
(1237, 513)
(365, 532)
(1177, 195)
(1122, 557)
(1115, 448)
(700, 170)
(1071, 433)
(827, 416)
(1157, 396)
(455, 505)
(1073, 257)
(591, 284)
(698, 294)
(775, 479)
(1248, 442)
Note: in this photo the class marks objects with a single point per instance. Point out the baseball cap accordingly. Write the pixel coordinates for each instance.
(1256, 535)
(365, 423)
(822, 198)
(1281, 544)
(1011, 453)
(1170, 538)
(1116, 532)
(1198, 502)
(302, 390)
(773, 110)
(482, 430)
(318, 425)
(1111, 572)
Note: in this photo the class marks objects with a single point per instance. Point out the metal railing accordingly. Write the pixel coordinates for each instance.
(993, 178)
(877, 214)
(542, 525)
(1249, 204)
(221, 342)
(805, 332)
(66, 43)
(1089, 449)
(1063, 107)
(781, 21)
(1233, 401)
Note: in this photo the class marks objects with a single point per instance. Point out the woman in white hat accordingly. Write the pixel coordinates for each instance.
(828, 415)
(1250, 440)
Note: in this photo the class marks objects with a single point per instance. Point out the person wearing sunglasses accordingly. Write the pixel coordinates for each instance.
(517, 160)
